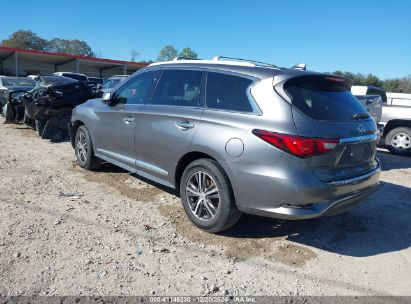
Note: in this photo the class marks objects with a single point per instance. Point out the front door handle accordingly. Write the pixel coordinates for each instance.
(184, 125)
(128, 120)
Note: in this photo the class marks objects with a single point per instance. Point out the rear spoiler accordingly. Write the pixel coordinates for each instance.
(280, 81)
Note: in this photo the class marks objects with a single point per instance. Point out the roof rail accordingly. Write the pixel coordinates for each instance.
(257, 63)
(200, 61)
(216, 60)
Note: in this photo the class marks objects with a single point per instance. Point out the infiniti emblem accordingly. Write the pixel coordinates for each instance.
(361, 128)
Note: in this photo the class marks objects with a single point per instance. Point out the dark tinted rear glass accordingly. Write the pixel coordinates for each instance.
(228, 92)
(323, 98)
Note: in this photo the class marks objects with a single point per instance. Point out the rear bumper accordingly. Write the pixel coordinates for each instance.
(300, 196)
(329, 208)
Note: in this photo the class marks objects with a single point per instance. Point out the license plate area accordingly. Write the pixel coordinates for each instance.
(357, 153)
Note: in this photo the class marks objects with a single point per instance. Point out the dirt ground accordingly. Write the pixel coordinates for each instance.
(65, 231)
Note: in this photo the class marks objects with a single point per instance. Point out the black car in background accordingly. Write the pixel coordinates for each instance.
(76, 76)
(95, 80)
(11, 88)
(49, 105)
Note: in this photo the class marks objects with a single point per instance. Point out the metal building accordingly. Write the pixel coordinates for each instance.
(19, 62)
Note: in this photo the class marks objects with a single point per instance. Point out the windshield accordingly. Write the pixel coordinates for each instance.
(110, 83)
(324, 98)
(18, 82)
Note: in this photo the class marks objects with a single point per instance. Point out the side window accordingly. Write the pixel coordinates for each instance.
(228, 92)
(135, 89)
(178, 88)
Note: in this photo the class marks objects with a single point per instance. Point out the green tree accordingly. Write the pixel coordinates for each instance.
(167, 53)
(391, 85)
(405, 85)
(73, 47)
(396, 85)
(188, 53)
(360, 79)
(372, 80)
(26, 39)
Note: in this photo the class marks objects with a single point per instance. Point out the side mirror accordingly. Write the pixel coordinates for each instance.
(106, 98)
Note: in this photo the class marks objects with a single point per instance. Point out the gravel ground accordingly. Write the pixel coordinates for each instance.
(65, 231)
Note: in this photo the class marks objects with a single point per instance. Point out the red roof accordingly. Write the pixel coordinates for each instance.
(139, 64)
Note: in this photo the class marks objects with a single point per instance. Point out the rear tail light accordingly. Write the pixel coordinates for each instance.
(296, 145)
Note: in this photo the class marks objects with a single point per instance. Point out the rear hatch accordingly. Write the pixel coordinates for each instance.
(323, 107)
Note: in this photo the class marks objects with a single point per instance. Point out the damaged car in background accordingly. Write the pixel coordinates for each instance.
(11, 88)
(48, 107)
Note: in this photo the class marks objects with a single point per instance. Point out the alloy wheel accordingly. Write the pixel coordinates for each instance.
(82, 147)
(202, 195)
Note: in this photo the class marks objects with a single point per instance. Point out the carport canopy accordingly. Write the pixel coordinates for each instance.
(20, 62)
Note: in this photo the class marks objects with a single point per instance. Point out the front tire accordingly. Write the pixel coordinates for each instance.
(84, 150)
(207, 196)
(398, 141)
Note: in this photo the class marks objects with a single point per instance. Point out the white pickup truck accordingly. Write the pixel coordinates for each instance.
(395, 118)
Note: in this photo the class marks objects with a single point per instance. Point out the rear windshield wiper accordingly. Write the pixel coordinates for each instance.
(360, 116)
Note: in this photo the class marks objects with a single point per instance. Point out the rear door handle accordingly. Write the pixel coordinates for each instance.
(184, 125)
(128, 120)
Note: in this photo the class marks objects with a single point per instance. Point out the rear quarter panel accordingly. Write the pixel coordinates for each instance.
(219, 127)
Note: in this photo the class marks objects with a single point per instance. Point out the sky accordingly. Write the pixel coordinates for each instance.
(363, 36)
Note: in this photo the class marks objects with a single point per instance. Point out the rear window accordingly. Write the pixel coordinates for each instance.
(323, 98)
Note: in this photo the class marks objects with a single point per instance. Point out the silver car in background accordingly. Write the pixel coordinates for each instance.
(110, 83)
(235, 136)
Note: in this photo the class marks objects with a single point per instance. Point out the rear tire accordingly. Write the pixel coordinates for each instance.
(84, 150)
(398, 141)
(215, 211)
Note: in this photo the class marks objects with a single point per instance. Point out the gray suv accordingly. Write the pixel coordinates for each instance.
(234, 137)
